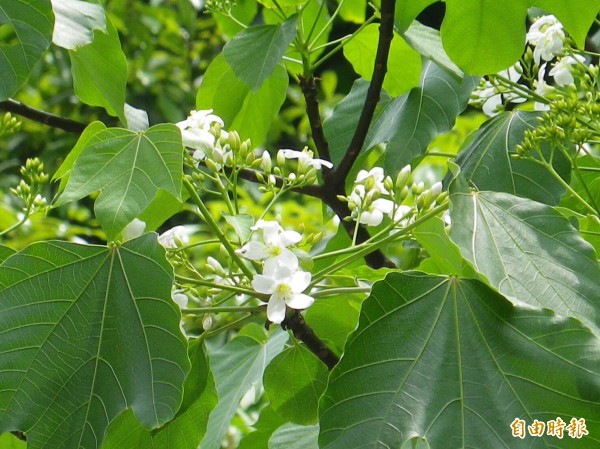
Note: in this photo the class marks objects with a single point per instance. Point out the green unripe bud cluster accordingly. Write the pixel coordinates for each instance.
(9, 125)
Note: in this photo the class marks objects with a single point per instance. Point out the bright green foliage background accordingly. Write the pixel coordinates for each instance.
(495, 319)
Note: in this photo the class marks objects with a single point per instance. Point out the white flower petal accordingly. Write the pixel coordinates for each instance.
(271, 231)
(276, 310)
(263, 284)
(299, 281)
(282, 266)
(371, 218)
(180, 299)
(385, 206)
(134, 229)
(254, 251)
(300, 301)
(287, 238)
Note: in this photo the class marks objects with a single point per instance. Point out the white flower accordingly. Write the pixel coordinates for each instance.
(401, 214)
(276, 242)
(369, 212)
(195, 132)
(174, 237)
(179, 298)
(547, 36)
(372, 180)
(490, 96)
(285, 284)
(562, 70)
(542, 88)
(134, 229)
(305, 157)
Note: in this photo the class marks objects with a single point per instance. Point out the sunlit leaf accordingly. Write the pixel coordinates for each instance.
(255, 52)
(88, 331)
(294, 382)
(486, 36)
(236, 367)
(100, 72)
(128, 168)
(75, 22)
(406, 13)
(529, 252)
(453, 361)
(249, 113)
(26, 34)
(404, 64)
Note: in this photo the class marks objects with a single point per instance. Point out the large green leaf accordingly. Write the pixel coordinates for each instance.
(529, 252)
(188, 427)
(75, 22)
(249, 113)
(455, 362)
(26, 34)
(407, 123)
(294, 382)
(486, 36)
(237, 366)
(404, 63)
(489, 162)
(100, 72)
(128, 168)
(267, 423)
(255, 52)
(8, 441)
(88, 331)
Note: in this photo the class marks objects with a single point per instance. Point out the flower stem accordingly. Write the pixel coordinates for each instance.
(201, 310)
(215, 227)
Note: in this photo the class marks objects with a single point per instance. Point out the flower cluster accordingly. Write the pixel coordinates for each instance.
(281, 276)
(303, 173)
(490, 96)
(547, 37)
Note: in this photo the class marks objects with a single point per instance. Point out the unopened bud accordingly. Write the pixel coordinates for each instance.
(266, 163)
(403, 176)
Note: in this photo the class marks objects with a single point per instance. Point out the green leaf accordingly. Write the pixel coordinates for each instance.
(294, 382)
(199, 399)
(88, 331)
(255, 52)
(27, 30)
(8, 441)
(486, 36)
(5, 252)
(128, 168)
(444, 255)
(249, 113)
(586, 184)
(64, 171)
(334, 318)
(125, 431)
(428, 42)
(100, 72)
(293, 436)
(161, 208)
(241, 224)
(404, 64)
(407, 12)
(489, 162)
(353, 10)
(244, 12)
(411, 122)
(75, 22)
(236, 367)
(339, 127)
(529, 252)
(452, 361)
(267, 423)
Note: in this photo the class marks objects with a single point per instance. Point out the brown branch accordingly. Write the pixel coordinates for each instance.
(386, 33)
(303, 332)
(309, 89)
(43, 117)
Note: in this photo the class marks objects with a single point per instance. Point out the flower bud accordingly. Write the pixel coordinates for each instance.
(266, 163)
(403, 176)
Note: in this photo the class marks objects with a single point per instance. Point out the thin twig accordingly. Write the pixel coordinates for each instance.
(43, 117)
(386, 33)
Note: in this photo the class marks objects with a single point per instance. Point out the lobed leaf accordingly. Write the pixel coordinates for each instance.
(88, 331)
(453, 361)
(529, 252)
(128, 168)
